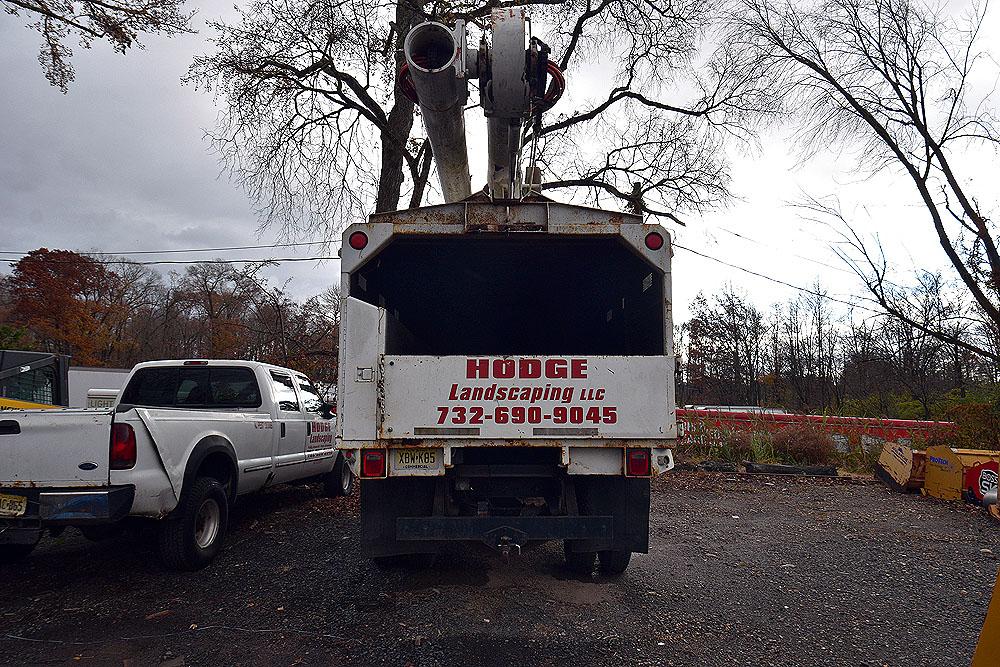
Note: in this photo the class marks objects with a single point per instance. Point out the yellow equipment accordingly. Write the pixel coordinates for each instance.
(988, 650)
(903, 466)
(31, 380)
(947, 467)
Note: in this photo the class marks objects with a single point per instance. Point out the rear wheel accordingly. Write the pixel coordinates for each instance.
(581, 562)
(192, 539)
(615, 562)
(340, 480)
(12, 553)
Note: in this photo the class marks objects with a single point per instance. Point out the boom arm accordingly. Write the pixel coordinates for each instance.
(512, 77)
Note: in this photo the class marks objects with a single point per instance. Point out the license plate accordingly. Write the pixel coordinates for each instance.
(416, 459)
(13, 505)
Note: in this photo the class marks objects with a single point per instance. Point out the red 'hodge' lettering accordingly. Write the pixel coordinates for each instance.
(526, 369)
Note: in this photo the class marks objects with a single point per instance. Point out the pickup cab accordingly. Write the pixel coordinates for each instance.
(182, 441)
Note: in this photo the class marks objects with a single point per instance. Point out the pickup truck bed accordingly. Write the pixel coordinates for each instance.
(192, 437)
(66, 448)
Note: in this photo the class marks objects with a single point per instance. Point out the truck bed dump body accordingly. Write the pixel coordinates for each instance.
(524, 294)
(550, 322)
(506, 375)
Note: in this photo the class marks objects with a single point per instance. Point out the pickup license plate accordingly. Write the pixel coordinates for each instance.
(416, 459)
(13, 505)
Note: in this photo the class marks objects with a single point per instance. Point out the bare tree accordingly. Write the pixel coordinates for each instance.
(725, 344)
(118, 22)
(895, 79)
(318, 132)
(969, 329)
(652, 137)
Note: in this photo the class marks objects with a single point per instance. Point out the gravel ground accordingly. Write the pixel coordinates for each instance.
(741, 571)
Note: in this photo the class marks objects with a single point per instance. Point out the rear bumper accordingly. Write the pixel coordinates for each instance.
(64, 507)
(494, 529)
(80, 507)
(405, 515)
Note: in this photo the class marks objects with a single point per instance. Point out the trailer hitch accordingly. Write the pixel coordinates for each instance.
(506, 545)
(505, 540)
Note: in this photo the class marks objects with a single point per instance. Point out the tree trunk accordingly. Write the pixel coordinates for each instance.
(400, 122)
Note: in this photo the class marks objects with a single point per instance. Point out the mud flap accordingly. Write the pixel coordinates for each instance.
(385, 500)
(626, 500)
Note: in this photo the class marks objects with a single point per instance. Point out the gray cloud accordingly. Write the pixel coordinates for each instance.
(120, 163)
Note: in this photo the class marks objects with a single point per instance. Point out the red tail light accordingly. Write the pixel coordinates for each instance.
(637, 463)
(654, 240)
(358, 240)
(373, 463)
(122, 447)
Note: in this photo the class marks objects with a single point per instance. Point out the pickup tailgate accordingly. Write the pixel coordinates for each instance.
(54, 447)
(588, 397)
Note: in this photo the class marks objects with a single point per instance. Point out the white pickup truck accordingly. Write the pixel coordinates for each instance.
(183, 440)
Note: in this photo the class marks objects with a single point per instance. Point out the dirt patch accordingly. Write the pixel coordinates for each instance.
(741, 570)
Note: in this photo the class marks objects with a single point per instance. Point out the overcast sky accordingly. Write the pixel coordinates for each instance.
(120, 165)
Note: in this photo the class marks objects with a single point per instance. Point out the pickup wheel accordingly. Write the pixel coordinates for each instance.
(581, 562)
(12, 553)
(615, 562)
(192, 539)
(340, 480)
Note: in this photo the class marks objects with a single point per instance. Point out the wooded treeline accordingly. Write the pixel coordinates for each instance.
(109, 312)
(810, 354)
(807, 354)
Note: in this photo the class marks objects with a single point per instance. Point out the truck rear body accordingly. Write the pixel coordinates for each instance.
(505, 361)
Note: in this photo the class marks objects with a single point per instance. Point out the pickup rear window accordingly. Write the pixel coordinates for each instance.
(204, 387)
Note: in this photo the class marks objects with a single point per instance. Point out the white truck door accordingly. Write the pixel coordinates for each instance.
(319, 447)
(362, 342)
(290, 428)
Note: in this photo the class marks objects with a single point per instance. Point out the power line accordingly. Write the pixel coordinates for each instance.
(176, 250)
(130, 262)
(776, 280)
(278, 260)
(767, 245)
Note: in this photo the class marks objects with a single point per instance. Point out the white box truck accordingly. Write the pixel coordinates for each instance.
(506, 376)
(506, 361)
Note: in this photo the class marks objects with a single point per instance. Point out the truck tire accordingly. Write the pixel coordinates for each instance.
(615, 562)
(12, 553)
(191, 540)
(340, 480)
(580, 562)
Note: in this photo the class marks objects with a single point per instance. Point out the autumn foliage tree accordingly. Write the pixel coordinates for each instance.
(56, 295)
(105, 311)
(117, 22)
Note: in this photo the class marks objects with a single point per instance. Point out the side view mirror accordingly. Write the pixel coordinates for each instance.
(328, 411)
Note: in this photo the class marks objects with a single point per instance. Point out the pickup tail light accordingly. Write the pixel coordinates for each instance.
(122, 447)
(373, 463)
(637, 463)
